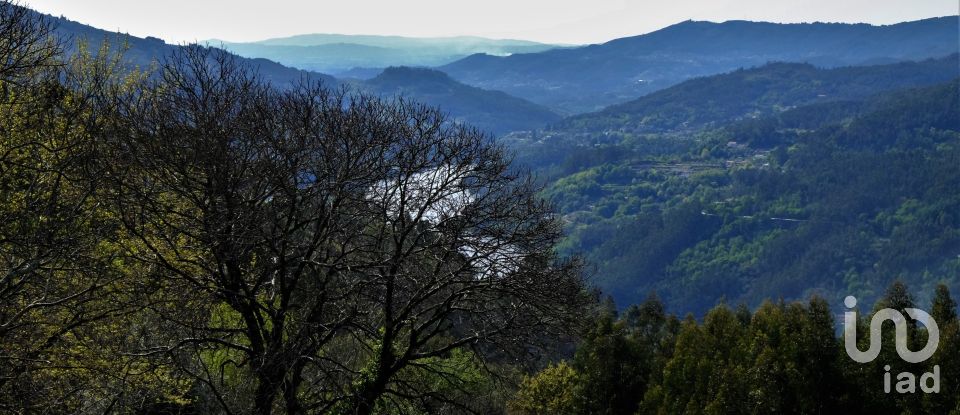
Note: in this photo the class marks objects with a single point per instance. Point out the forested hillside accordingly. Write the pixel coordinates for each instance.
(835, 198)
(781, 358)
(146, 52)
(757, 92)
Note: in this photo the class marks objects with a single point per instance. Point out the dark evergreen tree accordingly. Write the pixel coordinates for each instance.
(947, 357)
(613, 368)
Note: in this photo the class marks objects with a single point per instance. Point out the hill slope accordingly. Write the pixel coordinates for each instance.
(587, 78)
(828, 196)
(756, 92)
(491, 110)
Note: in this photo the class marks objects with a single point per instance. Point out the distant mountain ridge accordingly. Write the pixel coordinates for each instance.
(584, 79)
(757, 92)
(673, 53)
(392, 41)
(336, 53)
(145, 52)
(490, 110)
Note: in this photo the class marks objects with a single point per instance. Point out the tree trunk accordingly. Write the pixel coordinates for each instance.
(291, 386)
(269, 379)
(366, 398)
(263, 397)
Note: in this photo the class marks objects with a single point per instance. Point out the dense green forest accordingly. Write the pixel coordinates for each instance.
(791, 196)
(781, 358)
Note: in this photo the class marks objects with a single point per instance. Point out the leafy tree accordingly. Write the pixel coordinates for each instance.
(551, 391)
(64, 299)
(612, 367)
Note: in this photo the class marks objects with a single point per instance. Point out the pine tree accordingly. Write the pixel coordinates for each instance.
(614, 368)
(947, 357)
(821, 375)
(897, 297)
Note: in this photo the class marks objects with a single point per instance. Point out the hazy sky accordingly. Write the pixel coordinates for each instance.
(559, 21)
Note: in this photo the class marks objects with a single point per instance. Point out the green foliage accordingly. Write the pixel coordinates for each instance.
(612, 366)
(783, 358)
(550, 391)
(838, 197)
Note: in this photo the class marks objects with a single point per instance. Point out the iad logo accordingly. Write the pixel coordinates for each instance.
(906, 381)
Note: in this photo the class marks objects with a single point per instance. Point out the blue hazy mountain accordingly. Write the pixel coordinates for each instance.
(336, 54)
(575, 80)
(147, 51)
(758, 92)
(490, 110)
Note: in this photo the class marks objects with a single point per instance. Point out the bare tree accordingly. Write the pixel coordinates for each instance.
(457, 254)
(216, 183)
(27, 43)
(319, 243)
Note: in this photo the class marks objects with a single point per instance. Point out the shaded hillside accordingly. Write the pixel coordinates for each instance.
(756, 92)
(490, 110)
(588, 78)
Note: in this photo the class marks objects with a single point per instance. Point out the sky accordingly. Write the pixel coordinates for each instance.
(550, 21)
